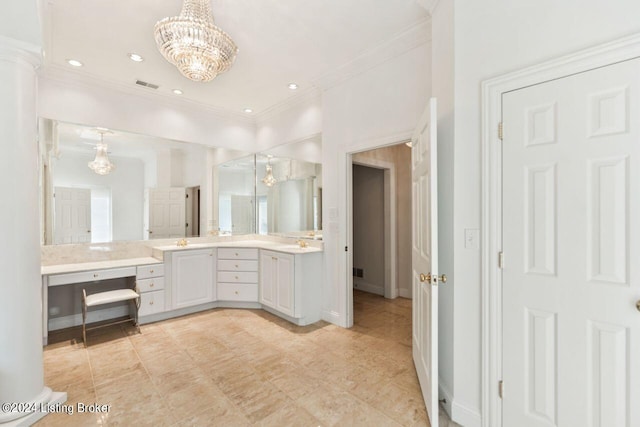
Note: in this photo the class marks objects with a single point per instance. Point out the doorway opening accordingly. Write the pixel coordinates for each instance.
(192, 206)
(379, 202)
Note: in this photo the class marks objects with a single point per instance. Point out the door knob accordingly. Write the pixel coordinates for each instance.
(442, 278)
(638, 305)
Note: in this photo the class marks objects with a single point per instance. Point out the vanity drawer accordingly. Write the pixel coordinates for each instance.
(237, 265)
(91, 276)
(152, 270)
(238, 292)
(237, 253)
(152, 284)
(238, 276)
(151, 302)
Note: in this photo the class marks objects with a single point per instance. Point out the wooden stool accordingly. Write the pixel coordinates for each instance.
(108, 297)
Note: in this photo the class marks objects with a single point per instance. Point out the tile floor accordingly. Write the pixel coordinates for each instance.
(230, 367)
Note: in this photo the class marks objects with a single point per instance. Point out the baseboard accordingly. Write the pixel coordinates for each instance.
(92, 316)
(465, 416)
(332, 317)
(169, 314)
(405, 293)
(361, 285)
(445, 393)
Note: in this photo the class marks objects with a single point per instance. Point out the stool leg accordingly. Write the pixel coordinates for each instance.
(137, 306)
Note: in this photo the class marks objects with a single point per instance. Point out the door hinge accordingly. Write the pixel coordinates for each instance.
(500, 134)
(500, 260)
(500, 388)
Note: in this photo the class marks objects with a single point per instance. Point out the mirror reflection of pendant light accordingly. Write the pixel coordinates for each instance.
(268, 179)
(101, 164)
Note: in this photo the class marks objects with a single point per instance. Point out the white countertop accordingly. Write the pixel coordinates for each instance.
(48, 270)
(256, 244)
(158, 255)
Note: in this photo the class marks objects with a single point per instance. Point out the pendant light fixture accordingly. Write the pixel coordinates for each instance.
(194, 44)
(268, 179)
(101, 164)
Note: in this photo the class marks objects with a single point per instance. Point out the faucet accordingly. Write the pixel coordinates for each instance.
(182, 243)
(302, 243)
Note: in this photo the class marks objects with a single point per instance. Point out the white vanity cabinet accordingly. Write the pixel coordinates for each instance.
(237, 274)
(192, 277)
(277, 286)
(150, 285)
(291, 285)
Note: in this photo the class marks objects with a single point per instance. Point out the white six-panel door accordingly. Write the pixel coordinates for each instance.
(72, 215)
(571, 227)
(425, 258)
(167, 213)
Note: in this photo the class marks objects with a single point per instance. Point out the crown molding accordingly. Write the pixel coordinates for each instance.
(11, 48)
(59, 74)
(409, 39)
(308, 96)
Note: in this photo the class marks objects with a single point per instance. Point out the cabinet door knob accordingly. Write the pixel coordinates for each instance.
(236, 265)
(95, 275)
(150, 271)
(236, 292)
(151, 285)
(236, 277)
(150, 302)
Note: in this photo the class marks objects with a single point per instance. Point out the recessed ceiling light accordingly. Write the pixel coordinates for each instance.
(135, 57)
(74, 62)
(177, 91)
(248, 110)
(293, 86)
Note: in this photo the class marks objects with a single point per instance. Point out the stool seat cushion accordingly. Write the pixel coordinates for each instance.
(110, 296)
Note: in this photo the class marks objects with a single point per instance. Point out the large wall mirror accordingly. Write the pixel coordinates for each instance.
(276, 192)
(162, 188)
(159, 188)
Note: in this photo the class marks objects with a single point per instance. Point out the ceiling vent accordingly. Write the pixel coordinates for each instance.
(146, 84)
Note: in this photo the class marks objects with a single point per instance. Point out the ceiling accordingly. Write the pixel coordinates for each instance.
(280, 41)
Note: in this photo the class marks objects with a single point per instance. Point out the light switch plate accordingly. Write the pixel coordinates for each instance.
(471, 238)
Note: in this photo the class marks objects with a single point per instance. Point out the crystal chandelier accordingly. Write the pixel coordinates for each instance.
(194, 44)
(101, 164)
(268, 179)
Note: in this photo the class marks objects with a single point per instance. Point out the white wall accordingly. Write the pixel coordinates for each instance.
(96, 103)
(308, 150)
(493, 37)
(378, 107)
(368, 228)
(302, 120)
(126, 183)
